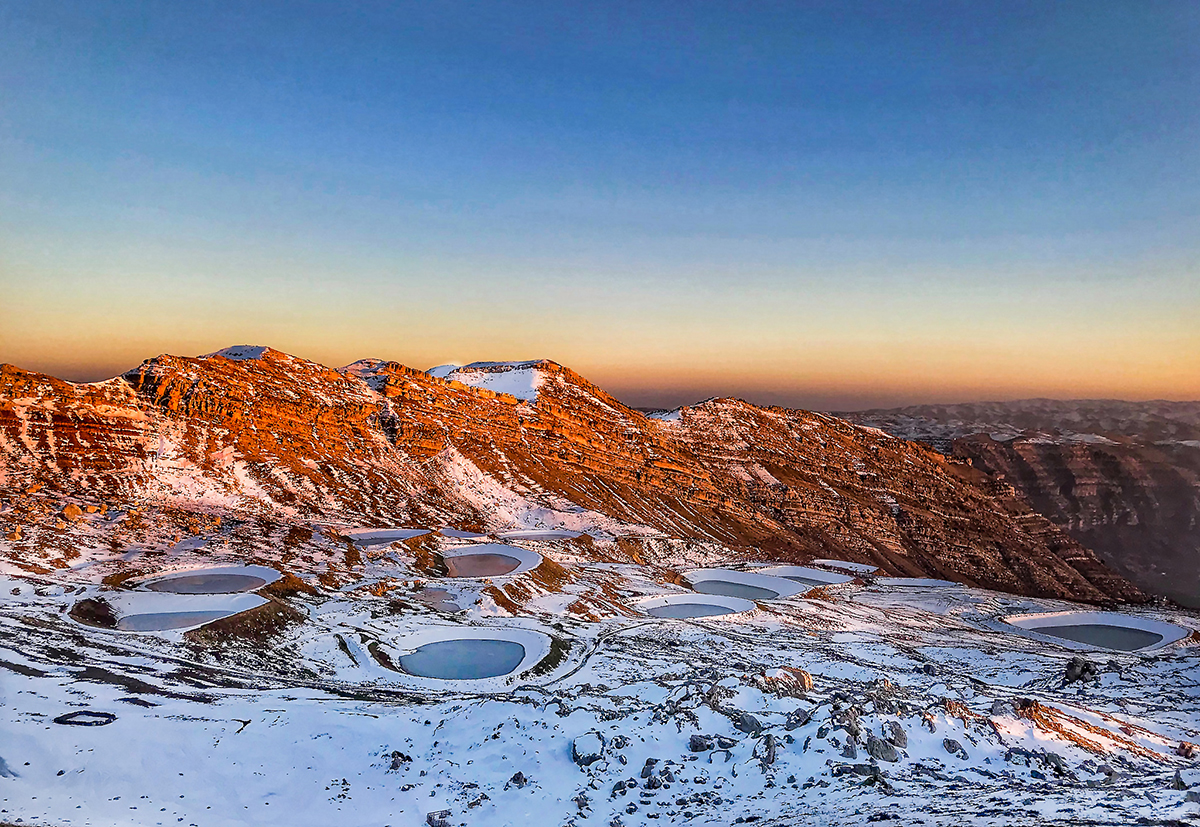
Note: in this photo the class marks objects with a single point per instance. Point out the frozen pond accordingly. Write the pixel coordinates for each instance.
(1110, 637)
(1104, 630)
(489, 560)
(464, 659)
(384, 536)
(208, 584)
(481, 565)
(678, 611)
(220, 580)
(806, 576)
(741, 584)
(682, 606)
(731, 589)
(162, 621)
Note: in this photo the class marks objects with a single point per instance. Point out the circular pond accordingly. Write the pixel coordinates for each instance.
(489, 560)
(1103, 630)
(223, 580)
(806, 576)
(472, 655)
(463, 659)
(741, 584)
(684, 606)
(384, 536)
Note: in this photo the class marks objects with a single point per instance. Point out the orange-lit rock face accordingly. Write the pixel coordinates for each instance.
(276, 436)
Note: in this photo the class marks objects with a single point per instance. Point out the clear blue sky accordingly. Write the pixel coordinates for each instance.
(822, 204)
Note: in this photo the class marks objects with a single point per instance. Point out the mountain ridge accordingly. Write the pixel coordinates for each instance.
(255, 432)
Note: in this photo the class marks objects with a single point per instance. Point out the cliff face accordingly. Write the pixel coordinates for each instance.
(258, 434)
(1122, 478)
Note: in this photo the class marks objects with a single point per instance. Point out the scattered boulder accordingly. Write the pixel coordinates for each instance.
(1186, 750)
(895, 734)
(1178, 783)
(954, 748)
(724, 742)
(648, 768)
(797, 718)
(700, 743)
(72, 513)
(1080, 669)
(518, 780)
(588, 748)
(747, 723)
(399, 759)
(766, 749)
(881, 750)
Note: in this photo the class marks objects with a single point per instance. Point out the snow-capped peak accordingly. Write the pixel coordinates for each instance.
(239, 353)
(519, 379)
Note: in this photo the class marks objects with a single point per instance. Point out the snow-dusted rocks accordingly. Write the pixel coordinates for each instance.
(588, 748)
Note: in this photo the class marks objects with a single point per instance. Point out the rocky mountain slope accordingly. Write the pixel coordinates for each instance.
(1122, 478)
(260, 438)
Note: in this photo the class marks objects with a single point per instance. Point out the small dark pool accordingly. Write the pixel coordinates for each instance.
(208, 584)
(464, 660)
(679, 611)
(481, 565)
(730, 589)
(1110, 637)
(161, 621)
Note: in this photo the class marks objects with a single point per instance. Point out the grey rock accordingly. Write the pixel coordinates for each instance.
(726, 743)
(1178, 783)
(766, 749)
(1080, 669)
(881, 750)
(518, 780)
(747, 723)
(896, 734)
(850, 751)
(700, 743)
(648, 769)
(797, 718)
(954, 747)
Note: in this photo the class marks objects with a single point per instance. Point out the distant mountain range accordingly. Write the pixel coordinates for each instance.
(1122, 478)
(254, 435)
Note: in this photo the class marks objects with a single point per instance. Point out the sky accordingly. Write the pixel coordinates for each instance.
(826, 205)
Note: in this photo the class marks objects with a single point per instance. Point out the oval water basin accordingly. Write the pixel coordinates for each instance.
(208, 584)
(463, 659)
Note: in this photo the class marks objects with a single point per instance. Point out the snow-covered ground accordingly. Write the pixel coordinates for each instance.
(923, 706)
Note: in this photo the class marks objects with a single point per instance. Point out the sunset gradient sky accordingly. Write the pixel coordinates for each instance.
(830, 205)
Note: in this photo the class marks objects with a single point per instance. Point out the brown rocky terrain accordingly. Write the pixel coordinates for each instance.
(1122, 478)
(287, 448)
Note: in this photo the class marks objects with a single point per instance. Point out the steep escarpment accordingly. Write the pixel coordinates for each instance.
(1122, 478)
(253, 434)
